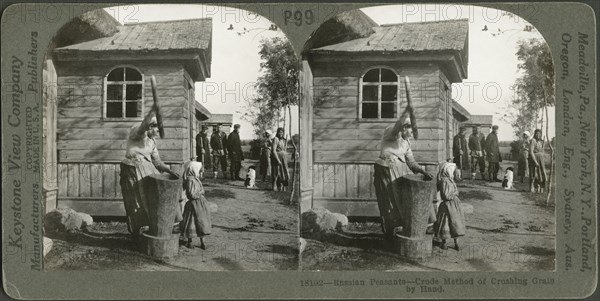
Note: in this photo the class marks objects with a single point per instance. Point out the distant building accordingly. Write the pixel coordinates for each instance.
(484, 122)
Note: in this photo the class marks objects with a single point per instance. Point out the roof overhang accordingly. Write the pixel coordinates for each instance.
(196, 61)
(202, 113)
(459, 112)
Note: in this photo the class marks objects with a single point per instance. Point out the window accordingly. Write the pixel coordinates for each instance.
(123, 94)
(379, 90)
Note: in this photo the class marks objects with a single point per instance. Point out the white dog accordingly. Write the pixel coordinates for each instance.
(507, 183)
(250, 177)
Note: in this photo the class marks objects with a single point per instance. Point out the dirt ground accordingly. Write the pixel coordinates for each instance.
(253, 229)
(509, 230)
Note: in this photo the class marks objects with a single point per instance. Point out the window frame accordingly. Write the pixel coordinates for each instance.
(379, 84)
(124, 84)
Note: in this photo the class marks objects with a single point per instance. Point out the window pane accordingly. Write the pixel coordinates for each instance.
(133, 109)
(369, 110)
(114, 109)
(116, 75)
(369, 93)
(388, 75)
(114, 92)
(133, 92)
(389, 93)
(372, 76)
(388, 110)
(132, 75)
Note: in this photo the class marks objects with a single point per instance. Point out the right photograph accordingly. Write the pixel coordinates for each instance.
(428, 142)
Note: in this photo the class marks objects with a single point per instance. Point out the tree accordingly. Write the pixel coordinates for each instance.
(277, 90)
(534, 90)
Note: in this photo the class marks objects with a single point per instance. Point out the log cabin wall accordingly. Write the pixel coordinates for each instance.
(446, 104)
(345, 148)
(90, 149)
(49, 98)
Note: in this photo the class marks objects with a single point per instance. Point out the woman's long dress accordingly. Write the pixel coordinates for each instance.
(279, 172)
(265, 158)
(196, 217)
(141, 160)
(537, 173)
(523, 164)
(450, 217)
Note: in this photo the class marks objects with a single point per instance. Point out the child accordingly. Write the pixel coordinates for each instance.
(250, 177)
(196, 218)
(450, 221)
(507, 183)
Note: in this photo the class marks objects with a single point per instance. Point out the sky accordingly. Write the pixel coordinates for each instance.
(492, 59)
(235, 60)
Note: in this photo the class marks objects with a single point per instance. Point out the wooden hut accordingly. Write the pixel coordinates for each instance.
(483, 122)
(352, 84)
(103, 89)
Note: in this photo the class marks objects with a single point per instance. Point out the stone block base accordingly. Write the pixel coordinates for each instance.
(414, 249)
(160, 247)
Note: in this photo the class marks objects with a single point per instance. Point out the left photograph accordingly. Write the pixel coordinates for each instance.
(170, 141)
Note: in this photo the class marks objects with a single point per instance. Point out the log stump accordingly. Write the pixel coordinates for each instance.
(162, 192)
(415, 207)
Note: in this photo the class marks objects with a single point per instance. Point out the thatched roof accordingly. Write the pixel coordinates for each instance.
(193, 34)
(343, 27)
(91, 25)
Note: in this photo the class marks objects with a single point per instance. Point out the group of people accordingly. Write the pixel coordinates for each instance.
(142, 160)
(481, 149)
(218, 148)
(396, 160)
(531, 161)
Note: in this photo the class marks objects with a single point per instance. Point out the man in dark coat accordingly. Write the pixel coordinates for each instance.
(492, 151)
(234, 146)
(476, 153)
(218, 143)
(202, 147)
(460, 150)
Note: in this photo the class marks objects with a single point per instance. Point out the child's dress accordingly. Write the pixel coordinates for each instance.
(196, 217)
(450, 218)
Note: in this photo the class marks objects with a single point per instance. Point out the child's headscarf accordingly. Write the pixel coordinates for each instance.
(192, 170)
(446, 171)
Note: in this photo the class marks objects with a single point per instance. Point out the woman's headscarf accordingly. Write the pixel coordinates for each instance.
(270, 133)
(192, 170)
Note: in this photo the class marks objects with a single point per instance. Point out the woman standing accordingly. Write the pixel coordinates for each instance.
(450, 217)
(523, 168)
(279, 164)
(196, 217)
(141, 160)
(265, 154)
(537, 166)
(395, 161)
